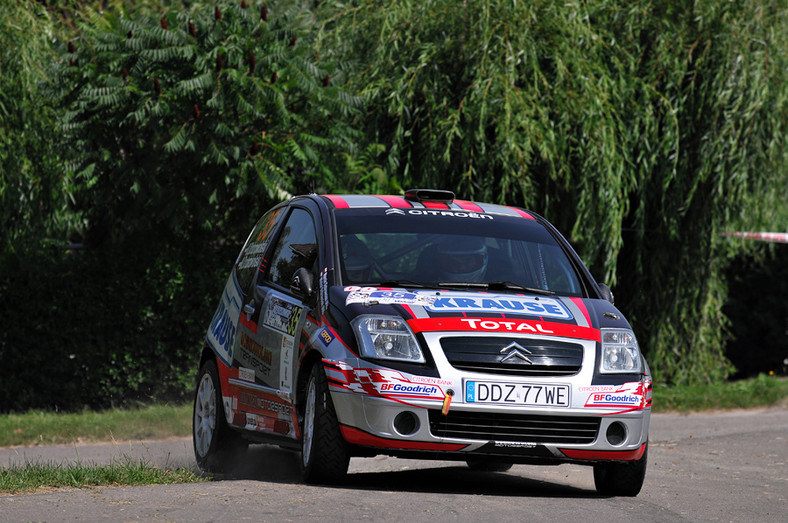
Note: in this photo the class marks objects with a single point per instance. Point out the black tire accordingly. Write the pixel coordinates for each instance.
(483, 465)
(325, 455)
(217, 447)
(621, 479)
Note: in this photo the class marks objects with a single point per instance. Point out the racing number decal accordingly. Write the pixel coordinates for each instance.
(282, 315)
(292, 323)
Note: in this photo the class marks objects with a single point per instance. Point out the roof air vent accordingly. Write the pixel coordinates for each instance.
(429, 195)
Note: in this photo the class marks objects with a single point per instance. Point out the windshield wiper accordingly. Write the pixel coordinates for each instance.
(463, 284)
(497, 286)
(511, 286)
(399, 283)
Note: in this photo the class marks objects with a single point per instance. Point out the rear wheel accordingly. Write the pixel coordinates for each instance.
(621, 479)
(488, 466)
(324, 453)
(216, 446)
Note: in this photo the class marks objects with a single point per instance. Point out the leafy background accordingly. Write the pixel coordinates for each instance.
(140, 140)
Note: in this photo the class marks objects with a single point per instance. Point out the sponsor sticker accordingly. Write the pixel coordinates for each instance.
(390, 383)
(268, 406)
(245, 374)
(598, 388)
(282, 316)
(251, 421)
(323, 289)
(504, 304)
(386, 297)
(264, 355)
(286, 377)
(408, 388)
(249, 262)
(435, 212)
(608, 399)
(252, 355)
(500, 325)
(222, 331)
(325, 336)
(515, 444)
(627, 395)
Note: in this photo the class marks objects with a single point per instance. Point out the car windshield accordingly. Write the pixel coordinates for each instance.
(389, 247)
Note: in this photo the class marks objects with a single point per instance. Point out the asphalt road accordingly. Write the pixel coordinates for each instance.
(729, 466)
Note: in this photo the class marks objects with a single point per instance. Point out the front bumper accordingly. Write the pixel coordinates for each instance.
(392, 412)
(520, 435)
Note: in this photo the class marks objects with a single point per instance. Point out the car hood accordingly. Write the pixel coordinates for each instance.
(451, 310)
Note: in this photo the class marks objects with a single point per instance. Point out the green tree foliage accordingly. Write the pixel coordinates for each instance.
(726, 80)
(176, 132)
(32, 206)
(34, 191)
(642, 129)
(173, 122)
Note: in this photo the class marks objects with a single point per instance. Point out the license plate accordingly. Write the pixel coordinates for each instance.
(527, 395)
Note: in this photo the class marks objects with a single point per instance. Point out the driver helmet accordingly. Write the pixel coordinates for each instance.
(357, 269)
(463, 259)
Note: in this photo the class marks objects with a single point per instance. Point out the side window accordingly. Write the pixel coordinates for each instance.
(258, 241)
(297, 248)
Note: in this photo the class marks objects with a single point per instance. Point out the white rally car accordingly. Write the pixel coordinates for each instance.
(426, 327)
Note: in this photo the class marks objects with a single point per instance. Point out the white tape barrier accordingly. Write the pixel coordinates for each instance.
(775, 237)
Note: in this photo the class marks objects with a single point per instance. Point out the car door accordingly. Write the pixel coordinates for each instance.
(270, 327)
(254, 362)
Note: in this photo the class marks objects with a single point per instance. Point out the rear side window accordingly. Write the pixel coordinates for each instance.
(297, 248)
(256, 245)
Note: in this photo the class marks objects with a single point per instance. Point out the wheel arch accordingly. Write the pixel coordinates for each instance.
(311, 358)
(206, 354)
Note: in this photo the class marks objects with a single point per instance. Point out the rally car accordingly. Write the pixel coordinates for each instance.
(420, 326)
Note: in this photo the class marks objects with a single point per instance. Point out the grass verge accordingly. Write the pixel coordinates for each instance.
(36, 476)
(56, 428)
(756, 392)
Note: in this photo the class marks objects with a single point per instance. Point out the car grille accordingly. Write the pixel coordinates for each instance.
(513, 356)
(514, 427)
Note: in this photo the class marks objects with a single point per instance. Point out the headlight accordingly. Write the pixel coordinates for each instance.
(620, 352)
(388, 338)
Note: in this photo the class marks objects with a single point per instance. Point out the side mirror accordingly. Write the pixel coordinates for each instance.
(303, 282)
(606, 293)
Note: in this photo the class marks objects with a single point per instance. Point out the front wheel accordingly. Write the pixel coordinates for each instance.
(324, 453)
(621, 479)
(216, 446)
